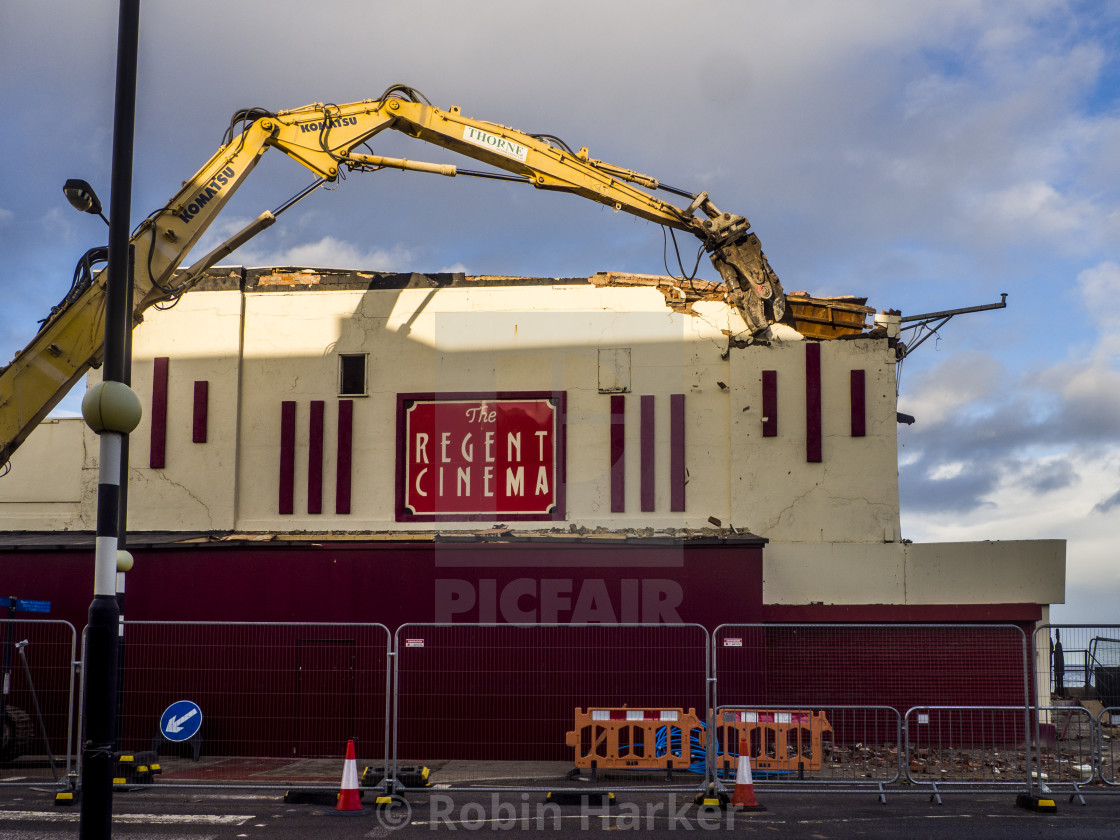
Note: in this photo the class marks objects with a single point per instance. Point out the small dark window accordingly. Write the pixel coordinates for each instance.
(352, 375)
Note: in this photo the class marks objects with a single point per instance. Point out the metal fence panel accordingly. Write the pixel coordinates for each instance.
(1078, 667)
(1108, 724)
(284, 693)
(1067, 752)
(965, 746)
(510, 693)
(1079, 661)
(849, 746)
(38, 737)
(896, 665)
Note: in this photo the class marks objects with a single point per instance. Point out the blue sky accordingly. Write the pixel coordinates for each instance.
(929, 155)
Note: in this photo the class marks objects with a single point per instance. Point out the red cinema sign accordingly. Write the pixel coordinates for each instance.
(480, 456)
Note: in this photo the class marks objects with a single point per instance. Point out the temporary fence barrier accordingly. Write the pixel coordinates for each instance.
(506, 693)
(898, 666)
(1078, 661)
(273, 698)
(965, 747)
(1109, 754)
(514, 707)
(632, 739)
(37, 703)
(796, 749)
(1078, 668)
(777, 741)
(1068, 753)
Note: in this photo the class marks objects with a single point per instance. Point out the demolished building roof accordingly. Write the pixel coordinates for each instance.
(813, 317)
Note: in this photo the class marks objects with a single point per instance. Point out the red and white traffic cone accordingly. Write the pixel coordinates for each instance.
(349, 799)
(744, 783)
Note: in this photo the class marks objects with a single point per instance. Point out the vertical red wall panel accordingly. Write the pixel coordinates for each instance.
(618, 453)
(315, 458)
(859, 404)
(157, 457)
(648, 485)
(345, 438)
(813, 446)
(769, 403)
(201, 408)
(287, 456)
(676, 452)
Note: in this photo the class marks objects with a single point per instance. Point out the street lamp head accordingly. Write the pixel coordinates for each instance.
(82, 197)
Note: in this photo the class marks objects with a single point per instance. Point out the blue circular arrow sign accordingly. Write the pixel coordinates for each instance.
(181, 720)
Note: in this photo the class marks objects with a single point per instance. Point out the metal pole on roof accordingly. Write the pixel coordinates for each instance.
(943, 317)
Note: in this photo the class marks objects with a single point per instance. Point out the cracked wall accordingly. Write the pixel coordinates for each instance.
(195, 490)
(851, 495)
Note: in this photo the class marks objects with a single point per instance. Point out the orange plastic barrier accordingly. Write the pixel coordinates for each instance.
(625, 738)
(777, 740)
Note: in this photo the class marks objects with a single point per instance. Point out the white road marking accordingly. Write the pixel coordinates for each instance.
(62, 833)
(132, 819)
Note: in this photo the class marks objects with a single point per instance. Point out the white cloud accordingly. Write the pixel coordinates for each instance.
(1093, 386)
(6, 216)
(961, 380)
(56, 222)
(275, 248)
(1032, 207)
(943, 472)
(330, 252)
(1100, 291)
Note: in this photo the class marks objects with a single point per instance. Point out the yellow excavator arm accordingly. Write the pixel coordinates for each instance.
(325, 138)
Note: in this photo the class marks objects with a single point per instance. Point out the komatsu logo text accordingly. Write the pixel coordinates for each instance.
(203, 198)
(332, 123)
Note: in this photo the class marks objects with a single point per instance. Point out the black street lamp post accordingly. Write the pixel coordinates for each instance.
(112, 410)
